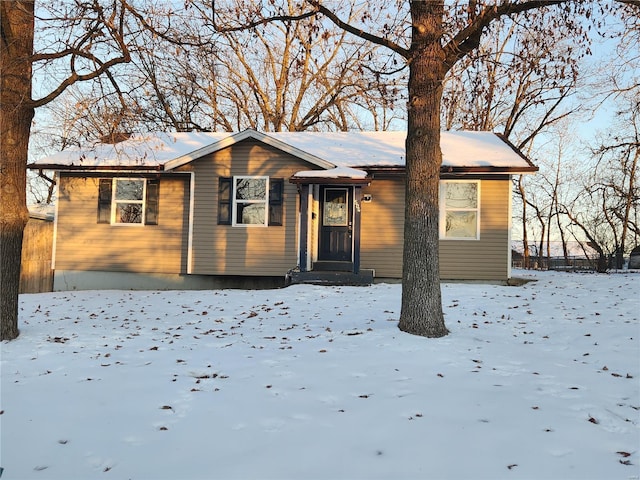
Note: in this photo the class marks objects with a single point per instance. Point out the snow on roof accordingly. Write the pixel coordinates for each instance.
(149, 150)
(339, 149)
(337, 172)
(350, 149)
(42, 211)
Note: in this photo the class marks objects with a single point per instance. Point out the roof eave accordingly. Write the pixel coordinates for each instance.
(517, 151)
(330, 180)
(489, 170)
(486, 170)
(94, 168)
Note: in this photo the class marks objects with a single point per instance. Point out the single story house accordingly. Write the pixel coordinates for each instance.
(204, 210)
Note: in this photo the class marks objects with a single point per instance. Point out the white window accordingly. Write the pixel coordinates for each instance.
(460, 210)
(128, 201)
(250, 201)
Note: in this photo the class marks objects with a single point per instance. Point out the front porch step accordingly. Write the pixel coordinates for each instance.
(315, 277)
(333, 266)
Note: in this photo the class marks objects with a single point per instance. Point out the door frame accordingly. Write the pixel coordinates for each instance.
(344, 229)
(309, 221)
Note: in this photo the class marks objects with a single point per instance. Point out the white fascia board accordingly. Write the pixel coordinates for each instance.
(244, 135)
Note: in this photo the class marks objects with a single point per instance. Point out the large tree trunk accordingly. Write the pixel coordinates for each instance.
(421, 312)
(16, 114)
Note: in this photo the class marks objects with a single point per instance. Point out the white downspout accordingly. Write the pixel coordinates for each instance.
(192, 183)
(510, 227)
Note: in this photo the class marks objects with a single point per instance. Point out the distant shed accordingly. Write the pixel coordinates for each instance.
(634, 258)
(36, 275)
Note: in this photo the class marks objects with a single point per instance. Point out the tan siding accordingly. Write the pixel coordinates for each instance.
(484, 259)
(487, 258)
(84, 244)
(228, 250)
(382, 228)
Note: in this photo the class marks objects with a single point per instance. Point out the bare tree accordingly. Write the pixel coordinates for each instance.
(422, 36)
(86, 39)
(292, 77)
(520, 82)
(592, 206)
(276, 77)
(438, 39)
(16, 23)
(611, 192)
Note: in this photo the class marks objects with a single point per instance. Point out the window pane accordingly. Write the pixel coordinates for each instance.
(275, 190)
(461, 195)
(251, 213)
(128, 213)
(105, 191)
(224, 200)
(224, 214)
(224, 190)
(335, 208)
(152, 202)
(251, 189)
(461, 225)
(129, 189)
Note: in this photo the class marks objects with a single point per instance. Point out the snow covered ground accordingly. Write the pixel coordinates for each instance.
(539, 381)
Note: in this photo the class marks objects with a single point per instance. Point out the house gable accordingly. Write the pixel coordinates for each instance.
(221, 249)
(243, 136)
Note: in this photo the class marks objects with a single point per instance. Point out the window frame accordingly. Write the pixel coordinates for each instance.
(444, 209)
(227, 205)
(115, 201)
(108, 202)
(276, 202)
(235, 202)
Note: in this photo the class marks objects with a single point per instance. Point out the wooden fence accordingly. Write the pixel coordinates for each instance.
(36, 275)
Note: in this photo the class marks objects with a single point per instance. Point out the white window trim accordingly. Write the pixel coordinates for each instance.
(443, 211)
(114, 202)
(234, 201)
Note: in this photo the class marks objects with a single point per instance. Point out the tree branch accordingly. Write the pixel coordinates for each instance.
(358, 32)
(164, 34)
(257, 23)
(317, 8)
(76, 77)
(633, 3)
(468, 39)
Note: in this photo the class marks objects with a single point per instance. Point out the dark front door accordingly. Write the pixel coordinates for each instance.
(336, 216)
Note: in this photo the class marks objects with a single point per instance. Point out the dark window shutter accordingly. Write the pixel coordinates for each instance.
(276, 190)
(152, 201)
(224, 200)
(104, 200)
